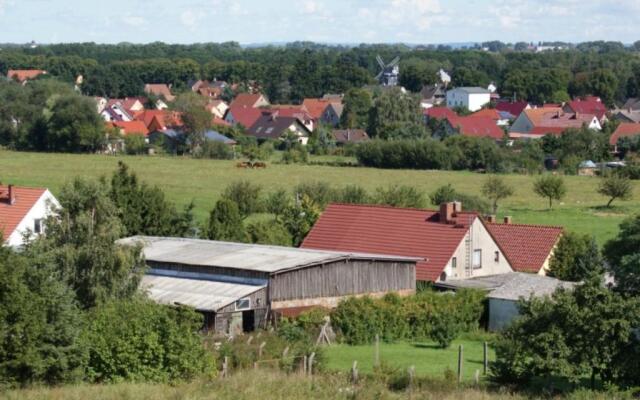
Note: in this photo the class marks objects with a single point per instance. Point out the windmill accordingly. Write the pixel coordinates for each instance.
(389, 73)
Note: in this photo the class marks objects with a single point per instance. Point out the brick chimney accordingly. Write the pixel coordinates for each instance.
(446, 213)
(12, 195)
(491, 219)
(507, 220)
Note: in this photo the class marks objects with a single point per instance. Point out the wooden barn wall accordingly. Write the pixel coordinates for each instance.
(342, 278)
(260, 294)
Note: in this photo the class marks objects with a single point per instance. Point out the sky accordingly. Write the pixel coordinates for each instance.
(327, 21)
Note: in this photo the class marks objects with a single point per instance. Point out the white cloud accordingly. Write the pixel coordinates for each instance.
(311, 7)
(190, 19)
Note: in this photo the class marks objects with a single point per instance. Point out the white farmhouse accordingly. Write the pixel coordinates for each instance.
(23, 211)
(472, 98)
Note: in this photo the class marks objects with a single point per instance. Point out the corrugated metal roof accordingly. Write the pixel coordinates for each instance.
(254, 257)
(203, 295)
(511, 286)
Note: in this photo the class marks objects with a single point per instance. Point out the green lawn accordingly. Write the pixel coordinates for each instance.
(185, 179)
(428, 359)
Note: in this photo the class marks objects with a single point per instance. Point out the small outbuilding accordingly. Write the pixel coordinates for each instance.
(504, 291)
(238, 286)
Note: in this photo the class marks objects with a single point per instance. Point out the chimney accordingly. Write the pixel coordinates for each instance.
(507, 220)
(446, 213)
(491, 219)
(12, 195)
(457, 206)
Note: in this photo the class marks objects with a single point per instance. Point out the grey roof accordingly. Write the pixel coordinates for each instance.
(203, 295)
(254, 257)
(216, 136)
(473, 90)
(510, 286)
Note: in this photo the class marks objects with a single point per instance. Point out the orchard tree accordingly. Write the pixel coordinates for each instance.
(550, 187)
(496, 189)
(615, 187)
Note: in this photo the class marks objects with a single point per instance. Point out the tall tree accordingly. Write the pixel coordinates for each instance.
(397, 115)
(550, 187)
(357, 106)
(225, 223)
(575, 257)
(195, 117)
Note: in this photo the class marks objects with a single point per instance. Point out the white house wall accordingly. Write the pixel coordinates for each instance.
(40, 210)
(480, 239)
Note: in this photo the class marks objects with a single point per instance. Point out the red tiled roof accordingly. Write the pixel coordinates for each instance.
(393, 231)
(527, 247)
(159, 89)
(246, 100)
(589, 105)
(440, 113)
(316, 107)
(487, 113)
(12, 214)
(544, 130)
(299, 112)
(625, 129)
(162, 118)
(245, 115)
(514, 108)
(24, 74)
(477, 127)
(131, 127)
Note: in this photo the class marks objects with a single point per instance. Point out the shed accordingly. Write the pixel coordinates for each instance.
(504, 291)
(237, 286)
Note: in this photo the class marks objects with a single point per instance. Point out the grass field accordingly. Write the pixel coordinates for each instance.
(427, 358)
(185, 179)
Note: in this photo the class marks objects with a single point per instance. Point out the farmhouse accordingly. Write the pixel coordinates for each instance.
(624, 130)
(471, 98)
(271, 125)
(23, 211)
(237, 286)
(588, 105)
(474, 126)
(504, 291)
(537, 122)
(23, 75)
(346, 136)
(452, 243)
(253, 100)
(512, 108)
(326, 111)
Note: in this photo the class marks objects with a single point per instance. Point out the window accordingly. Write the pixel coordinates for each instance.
(243, 304)
(477, 258)
(454, 262)
(497, 256)
(37, 226)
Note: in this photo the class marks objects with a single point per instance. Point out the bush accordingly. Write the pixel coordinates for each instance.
(320, 193)
(246, 195)
(269, 232)
(400, 196)
(135, 144)
(215, 150)
(295, 155)
(139, 340)
(447, 193)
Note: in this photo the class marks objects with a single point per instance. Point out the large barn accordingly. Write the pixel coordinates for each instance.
(237, 286)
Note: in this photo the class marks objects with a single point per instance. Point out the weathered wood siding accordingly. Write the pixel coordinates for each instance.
(228, 272)
(342, 278)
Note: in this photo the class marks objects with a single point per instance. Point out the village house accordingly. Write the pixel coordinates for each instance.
(624, 130)
(512, 109)
(433, 95)
(630, 111)
(438, 113)
(537, 122)
(159, 120)
(174, 141)
(270, 125)
(589, 105)
(474, 126)
(501, 118)
(295, 111)
(471, 98)
(249, 100)
(24, 75)
(218, 108)
(242, 115)
(237, 286)
(160, 90)
(115, 111)
(454, 244)
(346, 136)
(325, 111)
(23, 211)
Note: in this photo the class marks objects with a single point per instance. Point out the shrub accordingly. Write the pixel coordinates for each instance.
(400, 196)
(135, 144)
(139, 340)
(246, 195)
(320, 193)
(215, 150)
(269, 232)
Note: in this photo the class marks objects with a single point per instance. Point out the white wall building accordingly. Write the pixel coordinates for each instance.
(23, 211)
(472, 98)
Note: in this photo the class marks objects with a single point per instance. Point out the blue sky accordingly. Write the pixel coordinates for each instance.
(335, 21)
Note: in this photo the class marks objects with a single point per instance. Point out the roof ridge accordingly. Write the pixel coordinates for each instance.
(521, 224)
(386, 206)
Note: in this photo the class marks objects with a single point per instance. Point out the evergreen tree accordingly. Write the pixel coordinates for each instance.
(225, 223)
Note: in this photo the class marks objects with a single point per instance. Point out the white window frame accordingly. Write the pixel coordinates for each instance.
(240, 301)
(38, 226)
(454, 262)
(477, 265)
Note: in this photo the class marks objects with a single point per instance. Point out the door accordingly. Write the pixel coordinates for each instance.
(248, 321)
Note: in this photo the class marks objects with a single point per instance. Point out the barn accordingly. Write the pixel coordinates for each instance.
(239, 286)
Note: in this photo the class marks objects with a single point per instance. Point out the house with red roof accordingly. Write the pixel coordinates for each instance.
(587, 105)
(453, 243)
(159, 120)
(501, 118)
(23, 211)
(325, 110)
(271, 125)
(474, 126)
(242, 115)
(249, 100)
(624, 130)
(160, 90)
(536, 122)
(218, 108)
(23, 75)
(129, 127)
(438, 113)
(512, 108)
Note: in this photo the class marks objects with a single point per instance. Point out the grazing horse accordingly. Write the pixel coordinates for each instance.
(259, 165)
(242, 165)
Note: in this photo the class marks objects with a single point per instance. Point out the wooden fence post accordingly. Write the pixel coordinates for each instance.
(304, 365)
(285, 352)
(354, 372)
(310, 369)
(225, 367)
(460, 353)
(486, 358)
(377, 352)
(412, 372)
(250, 339)
(260, 349)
